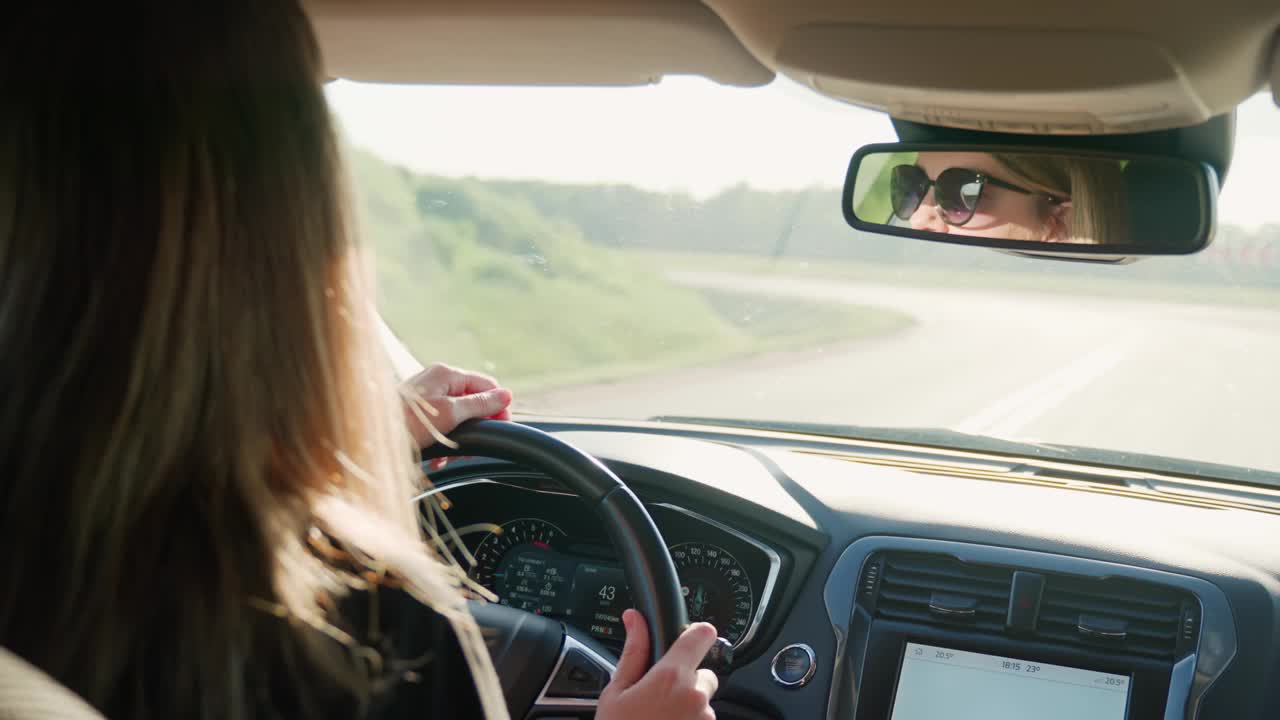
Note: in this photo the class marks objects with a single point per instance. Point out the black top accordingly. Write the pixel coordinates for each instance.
(423, 673)
(427, 673)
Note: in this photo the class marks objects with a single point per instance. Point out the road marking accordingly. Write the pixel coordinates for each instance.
(1016, 411)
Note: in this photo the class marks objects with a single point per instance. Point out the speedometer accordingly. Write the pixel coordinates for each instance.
(716, 588)
(519, 563)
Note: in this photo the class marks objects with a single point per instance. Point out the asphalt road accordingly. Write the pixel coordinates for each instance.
(1200, 382)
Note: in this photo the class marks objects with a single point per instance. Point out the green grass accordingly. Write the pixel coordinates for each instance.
(477, 277)
(563, 334)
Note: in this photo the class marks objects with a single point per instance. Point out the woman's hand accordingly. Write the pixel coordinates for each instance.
(674, 689)
(446, 397)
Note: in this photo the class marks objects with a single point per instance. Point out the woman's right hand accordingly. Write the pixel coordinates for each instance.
(673, 689)
(444, 397)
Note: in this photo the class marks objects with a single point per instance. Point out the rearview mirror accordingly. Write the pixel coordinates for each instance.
(1035, 201)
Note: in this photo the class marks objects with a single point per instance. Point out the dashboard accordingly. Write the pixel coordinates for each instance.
(536, 550)
(869, 581)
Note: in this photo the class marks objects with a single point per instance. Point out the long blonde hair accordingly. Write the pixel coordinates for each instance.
(191, 386)
(1099, 212)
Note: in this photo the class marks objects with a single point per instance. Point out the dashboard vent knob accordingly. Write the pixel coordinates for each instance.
(953, 607)
(1102, 628)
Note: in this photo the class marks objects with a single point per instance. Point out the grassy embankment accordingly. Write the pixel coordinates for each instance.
(478, 278)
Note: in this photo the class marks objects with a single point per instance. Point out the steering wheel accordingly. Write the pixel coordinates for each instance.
(544, 664)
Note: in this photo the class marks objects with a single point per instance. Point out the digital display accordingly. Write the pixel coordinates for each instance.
(602, 596)
(535, 580)
(556, 585)
(937, 682)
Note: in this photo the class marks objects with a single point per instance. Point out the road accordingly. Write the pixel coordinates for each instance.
(1200, 382)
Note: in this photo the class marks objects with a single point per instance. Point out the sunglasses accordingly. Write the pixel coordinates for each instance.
(957, 192)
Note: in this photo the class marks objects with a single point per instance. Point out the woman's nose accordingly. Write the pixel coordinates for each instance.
(926, 216)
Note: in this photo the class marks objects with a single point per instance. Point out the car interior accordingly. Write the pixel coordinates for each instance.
(853, 575)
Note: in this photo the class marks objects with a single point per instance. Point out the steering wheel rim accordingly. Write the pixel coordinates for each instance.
(655, 586)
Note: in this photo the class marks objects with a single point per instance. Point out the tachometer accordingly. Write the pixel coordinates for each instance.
(521, 565)
(716, 588)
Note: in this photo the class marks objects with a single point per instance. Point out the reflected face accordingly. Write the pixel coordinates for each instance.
(1001, 212)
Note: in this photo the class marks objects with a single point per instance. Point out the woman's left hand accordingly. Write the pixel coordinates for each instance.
(455, 396)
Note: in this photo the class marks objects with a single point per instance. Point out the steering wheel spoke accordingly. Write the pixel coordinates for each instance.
(544, 665)
(582, 671)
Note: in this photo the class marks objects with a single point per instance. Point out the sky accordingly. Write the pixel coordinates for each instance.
(684, 134)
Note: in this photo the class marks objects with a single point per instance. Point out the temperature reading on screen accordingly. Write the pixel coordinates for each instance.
(944, 654)
(1032, 668)
(1114, 681)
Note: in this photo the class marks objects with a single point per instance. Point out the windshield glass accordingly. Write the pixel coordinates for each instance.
(678, 250)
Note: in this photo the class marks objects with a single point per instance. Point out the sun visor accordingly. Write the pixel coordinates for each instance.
(582, 42)
(1114, 83)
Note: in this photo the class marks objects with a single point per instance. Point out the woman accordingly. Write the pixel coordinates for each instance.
(1045, 198)
(204, 463)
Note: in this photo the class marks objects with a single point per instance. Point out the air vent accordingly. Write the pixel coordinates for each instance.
(1115, 613)
(1131, 616)
(935, 589)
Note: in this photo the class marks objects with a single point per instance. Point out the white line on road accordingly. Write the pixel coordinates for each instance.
(1016, 411)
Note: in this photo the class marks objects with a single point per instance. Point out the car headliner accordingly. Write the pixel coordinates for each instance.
(996, 65)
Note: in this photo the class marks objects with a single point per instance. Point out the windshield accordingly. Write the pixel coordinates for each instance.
(678, 250)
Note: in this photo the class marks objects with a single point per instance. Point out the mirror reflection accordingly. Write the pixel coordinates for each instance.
(1053, 200)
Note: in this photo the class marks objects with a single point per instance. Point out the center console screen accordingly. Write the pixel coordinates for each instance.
(937, 682)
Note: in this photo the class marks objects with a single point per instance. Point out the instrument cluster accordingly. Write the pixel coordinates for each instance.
(542, 552)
